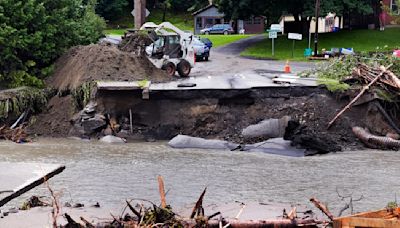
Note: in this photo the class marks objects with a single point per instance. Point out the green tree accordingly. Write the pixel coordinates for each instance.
(302, 10)
(112, 9)
(34, 33)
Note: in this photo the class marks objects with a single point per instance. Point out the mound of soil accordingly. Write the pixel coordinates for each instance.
(102, 62)
(135, 43)
(54, 121)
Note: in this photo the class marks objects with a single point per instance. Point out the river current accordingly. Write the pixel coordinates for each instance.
(109, 174)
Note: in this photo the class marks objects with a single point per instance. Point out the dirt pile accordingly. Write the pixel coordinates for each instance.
(55, 119)
(102, 62)
(135, 43)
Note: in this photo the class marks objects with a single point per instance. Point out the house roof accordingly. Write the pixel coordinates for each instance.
(204, 9)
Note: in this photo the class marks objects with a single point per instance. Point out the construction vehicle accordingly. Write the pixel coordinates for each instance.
(172, 49)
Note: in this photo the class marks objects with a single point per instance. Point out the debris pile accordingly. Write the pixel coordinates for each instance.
(162, 215)
(378, 85)
(17, 135)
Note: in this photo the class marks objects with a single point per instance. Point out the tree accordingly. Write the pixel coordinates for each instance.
(302, 10)
(111, 9)
(33, 33)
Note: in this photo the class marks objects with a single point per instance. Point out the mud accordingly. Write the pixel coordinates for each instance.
(55, 119)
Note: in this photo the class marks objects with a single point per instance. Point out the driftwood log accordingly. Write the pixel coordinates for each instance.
(322, 207)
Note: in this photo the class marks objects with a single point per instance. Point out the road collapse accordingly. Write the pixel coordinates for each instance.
(77, 107)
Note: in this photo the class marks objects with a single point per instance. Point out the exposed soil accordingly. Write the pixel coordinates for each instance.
(102, 62)
(55, 119)
(217, 115)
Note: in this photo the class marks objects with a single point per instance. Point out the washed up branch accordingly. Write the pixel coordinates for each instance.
(365, 88)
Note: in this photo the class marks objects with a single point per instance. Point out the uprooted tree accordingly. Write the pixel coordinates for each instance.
(33, 33)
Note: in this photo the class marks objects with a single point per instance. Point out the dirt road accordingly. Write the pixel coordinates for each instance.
(226, 60)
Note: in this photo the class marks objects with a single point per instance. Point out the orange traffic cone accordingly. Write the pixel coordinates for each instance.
(287, 68)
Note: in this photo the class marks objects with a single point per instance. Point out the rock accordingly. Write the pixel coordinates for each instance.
(108, 131)
(184, 141)
(112, 139)
(270, 128)
(67, 204)
(78, 205)
(96, 205)
(13, 210)
(90, 108)
(94, 124)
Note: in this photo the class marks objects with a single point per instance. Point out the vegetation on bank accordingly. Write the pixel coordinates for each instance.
(35, 33)
(333, 73)
(360, 40)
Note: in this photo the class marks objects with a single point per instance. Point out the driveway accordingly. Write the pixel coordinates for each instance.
(226, 60)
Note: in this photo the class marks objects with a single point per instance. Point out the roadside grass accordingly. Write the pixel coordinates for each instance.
(114, 32)
(360, 40)
(221, 40)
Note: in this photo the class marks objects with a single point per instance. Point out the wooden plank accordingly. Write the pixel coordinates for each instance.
(30, 185)
(373, 222)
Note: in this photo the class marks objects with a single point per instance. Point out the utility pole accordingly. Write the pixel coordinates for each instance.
(140, 13)
(317, 7)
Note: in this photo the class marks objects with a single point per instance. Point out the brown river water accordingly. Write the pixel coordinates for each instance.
(109, 174)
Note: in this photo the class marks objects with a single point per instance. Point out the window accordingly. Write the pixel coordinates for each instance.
(394, 7)
(257, 20)
(249, 21)
(199, 22)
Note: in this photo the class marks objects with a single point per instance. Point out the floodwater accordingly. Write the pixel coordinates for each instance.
(109, 174)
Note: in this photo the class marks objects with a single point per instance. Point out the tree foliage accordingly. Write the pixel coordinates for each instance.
(33, 33)
(111, 9)
(302, 10)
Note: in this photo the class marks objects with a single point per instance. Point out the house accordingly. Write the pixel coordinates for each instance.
(392, 4)
(325, 24)
(209, 16)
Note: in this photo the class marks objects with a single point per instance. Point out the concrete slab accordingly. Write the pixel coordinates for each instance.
(238, 81)
(18, 178)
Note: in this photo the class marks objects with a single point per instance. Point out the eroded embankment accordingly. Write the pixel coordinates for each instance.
(223, 114)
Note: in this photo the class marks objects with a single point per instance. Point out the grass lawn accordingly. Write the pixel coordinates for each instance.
(182, 20)
(221, 40)
(360, 40)
(114, 31)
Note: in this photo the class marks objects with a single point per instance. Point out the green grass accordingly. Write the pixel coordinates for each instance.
(114, 32)
(360, 40)
(221, 40)
(182, 20)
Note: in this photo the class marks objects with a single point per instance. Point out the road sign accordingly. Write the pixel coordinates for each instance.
(295, 36)
(273, 35)
(147, 12)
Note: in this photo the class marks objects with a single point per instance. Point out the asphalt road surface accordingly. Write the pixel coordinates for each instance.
(226, 60)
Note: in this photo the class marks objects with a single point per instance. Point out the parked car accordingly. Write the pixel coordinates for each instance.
(207, 42)
(201, 49)
(218, 29)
